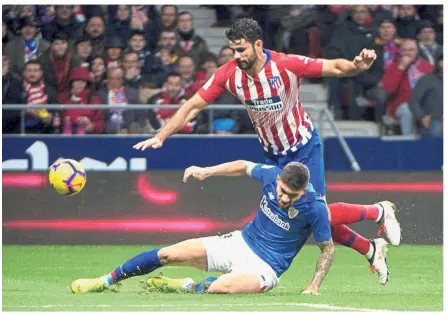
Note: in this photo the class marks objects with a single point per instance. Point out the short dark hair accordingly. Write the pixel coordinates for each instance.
(185, 13)
(174, 74)
(211, 58)
(130, 51)
(163, 7)
(33, 62)
(245, 28)
(295, 175)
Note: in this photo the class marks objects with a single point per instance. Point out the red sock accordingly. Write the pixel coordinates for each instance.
(343, 235)
(347, 213)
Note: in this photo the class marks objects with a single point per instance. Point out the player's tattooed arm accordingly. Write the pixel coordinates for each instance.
(323, 265)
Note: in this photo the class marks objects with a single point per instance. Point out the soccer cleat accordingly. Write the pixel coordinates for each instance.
(378, 262)
(164, 283)
(88, 285)
(389, 223)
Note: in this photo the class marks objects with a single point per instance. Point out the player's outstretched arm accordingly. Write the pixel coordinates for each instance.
(345, 68)
(323, 265)
(188, 111)
(235, 168)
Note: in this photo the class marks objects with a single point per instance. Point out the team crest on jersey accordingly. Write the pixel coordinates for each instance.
(292, 212)
(271, 196)
(275, 82)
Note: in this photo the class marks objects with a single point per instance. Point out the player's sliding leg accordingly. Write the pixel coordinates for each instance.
(374, 250)
(190, 253)
(383, 213)
(242, 283)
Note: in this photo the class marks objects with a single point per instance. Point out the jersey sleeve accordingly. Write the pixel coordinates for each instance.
(320, 224)
(214, 86)
(303, 66)
(264, 173)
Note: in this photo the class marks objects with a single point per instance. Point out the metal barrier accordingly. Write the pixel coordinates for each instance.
(324, 115)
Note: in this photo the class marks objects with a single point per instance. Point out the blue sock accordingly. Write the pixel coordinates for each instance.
(141, 264)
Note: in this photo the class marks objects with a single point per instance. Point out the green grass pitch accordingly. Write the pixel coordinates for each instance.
(37, 278)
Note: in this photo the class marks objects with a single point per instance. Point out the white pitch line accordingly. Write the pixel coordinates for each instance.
(291, 304)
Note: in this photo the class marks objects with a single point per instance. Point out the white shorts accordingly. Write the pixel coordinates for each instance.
(230, 253)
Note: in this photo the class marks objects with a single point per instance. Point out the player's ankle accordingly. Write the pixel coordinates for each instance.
(371, 253)
(380, 218)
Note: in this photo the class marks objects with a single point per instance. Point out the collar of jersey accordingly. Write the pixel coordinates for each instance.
(268, 57)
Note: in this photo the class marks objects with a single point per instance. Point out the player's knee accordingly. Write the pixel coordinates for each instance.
(167, 256)
(221, 287)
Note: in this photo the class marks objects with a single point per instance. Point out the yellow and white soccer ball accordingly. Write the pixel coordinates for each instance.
(67, 177)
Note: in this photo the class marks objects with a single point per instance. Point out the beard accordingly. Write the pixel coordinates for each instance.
(246, 65)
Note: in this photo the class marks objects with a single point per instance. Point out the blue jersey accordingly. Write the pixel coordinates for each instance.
(277, 235)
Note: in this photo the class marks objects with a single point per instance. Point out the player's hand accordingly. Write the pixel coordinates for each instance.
(426, 121)
(311, 291)
(365, 59)
(153, 142)
(200, 173)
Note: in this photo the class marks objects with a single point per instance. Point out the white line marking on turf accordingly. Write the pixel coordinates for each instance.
(292, 304)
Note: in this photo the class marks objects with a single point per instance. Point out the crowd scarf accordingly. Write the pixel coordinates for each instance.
(35, 93)
(79, 14)
(80, 97)
(30, 49)
(117, 97)
(391, 50)
(414, 73)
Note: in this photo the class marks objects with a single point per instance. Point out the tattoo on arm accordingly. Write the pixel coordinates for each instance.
(324, 262)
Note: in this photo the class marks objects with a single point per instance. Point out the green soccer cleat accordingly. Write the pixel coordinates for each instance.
(88, 285)
(164, 283)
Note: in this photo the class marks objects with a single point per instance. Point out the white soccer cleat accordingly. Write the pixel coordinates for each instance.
(389, 223)
(378, 262)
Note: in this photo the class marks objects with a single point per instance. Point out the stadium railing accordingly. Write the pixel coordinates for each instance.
(324, 116)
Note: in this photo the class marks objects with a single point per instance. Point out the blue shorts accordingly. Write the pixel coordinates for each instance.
(312, 155)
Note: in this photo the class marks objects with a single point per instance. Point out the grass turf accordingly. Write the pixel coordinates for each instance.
(37, 278)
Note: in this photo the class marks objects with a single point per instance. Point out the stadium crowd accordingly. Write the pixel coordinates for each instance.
(134, 54)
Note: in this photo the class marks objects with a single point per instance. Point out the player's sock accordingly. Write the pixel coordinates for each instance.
(343, 235)
(347, 213)
(141, 264)
(202, 286)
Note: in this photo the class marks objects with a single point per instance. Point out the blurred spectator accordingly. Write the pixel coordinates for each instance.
(81, 121)
(429, 49)
(13, 15)
(168, 17)
(187, 71)
(165, 56)
(172, 93)
(439, 27)
(6, 34)
(27, 47)
(399, 80)
(209, 68)
(388, 42)
(58, 62)
(132, 70)
(379, 14)
(361, 90)
(407, 22)
(121, 24)
(167, 21)
(426, 102)
(95, 28)
(98, 68)
(116, 93)
(37, 91)
(84, 49)
(46, 13)
(12, 92)
(114, 48)
(225, 55)
(189, 43)
(148, 64)
(64, 21)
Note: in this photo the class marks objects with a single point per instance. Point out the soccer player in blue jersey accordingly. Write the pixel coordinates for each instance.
(254, 258)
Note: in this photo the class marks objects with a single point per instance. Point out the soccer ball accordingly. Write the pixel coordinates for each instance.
(67, 176)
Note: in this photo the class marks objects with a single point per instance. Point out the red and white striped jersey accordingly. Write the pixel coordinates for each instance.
(271, 98)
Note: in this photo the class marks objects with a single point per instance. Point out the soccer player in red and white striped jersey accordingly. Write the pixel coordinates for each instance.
(267, 83)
